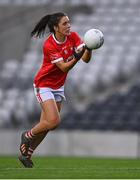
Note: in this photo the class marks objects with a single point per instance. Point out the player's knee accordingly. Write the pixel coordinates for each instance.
(52, 123)
(55, 123)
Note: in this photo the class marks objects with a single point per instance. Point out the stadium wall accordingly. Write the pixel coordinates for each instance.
(77, 143)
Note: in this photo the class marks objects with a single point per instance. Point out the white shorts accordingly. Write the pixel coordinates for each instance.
(43, 94)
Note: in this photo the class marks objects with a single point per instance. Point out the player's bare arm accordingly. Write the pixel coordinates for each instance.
(86, 55)
(66, 66)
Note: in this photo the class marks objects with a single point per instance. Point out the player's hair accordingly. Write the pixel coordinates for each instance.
(49, 21)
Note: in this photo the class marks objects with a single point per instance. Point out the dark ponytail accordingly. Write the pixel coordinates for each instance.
(40, 27)
(49, 20)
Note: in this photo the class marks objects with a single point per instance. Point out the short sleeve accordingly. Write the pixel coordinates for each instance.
(78, 42)
(54, 56)
(52, 53)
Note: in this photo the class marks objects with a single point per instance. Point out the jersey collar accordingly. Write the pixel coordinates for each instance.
(58, 42)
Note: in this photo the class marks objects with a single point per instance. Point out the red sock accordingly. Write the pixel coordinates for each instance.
(29, 153)
(29, 134)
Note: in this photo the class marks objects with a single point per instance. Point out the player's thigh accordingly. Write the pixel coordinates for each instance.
(50, 110)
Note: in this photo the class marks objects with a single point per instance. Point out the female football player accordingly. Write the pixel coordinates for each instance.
(62, 50)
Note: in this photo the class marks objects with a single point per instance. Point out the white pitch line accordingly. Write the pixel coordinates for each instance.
(71, 168)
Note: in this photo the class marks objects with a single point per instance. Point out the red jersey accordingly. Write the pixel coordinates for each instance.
(54, 51)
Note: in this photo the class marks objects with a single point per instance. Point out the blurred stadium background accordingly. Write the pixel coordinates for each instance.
(101, 116)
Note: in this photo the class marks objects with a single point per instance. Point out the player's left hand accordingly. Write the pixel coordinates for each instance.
(79, 53)
(87, 48)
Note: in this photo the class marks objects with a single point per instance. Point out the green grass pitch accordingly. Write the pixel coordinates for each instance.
(70, 168)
